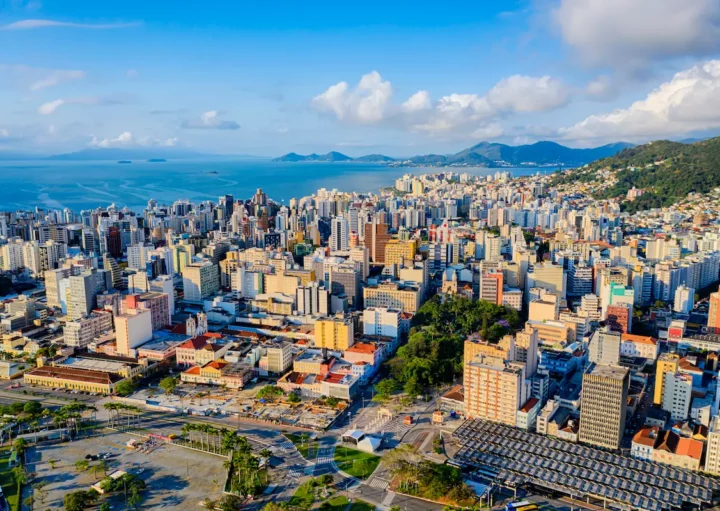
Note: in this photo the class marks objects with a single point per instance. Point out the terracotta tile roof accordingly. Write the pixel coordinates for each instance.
(362, 347)
(529, 405)
(689, 447)
(640, 339)
(74, 374)
(646, 436)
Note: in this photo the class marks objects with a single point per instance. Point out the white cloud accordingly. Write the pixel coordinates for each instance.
(36, 79)
(132, 73)
(520, 93)
(40, 23)
(55, 78)
(369, 102)
(630, 33)
(453, 111)
(365, 104)
(601, 88)
(52, 106)
(488, 132)
(417, 102)
(4, 133)
(126, 139)
(210, 121)
(689, 102)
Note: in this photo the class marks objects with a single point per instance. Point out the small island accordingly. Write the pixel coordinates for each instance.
(125, 161)
(212, 172)
(157, 160)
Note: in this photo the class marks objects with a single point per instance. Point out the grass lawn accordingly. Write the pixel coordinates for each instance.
(7, 481)
(338, 503)
(361, 505)
(356, 463)
(307, 447)
(303, 497)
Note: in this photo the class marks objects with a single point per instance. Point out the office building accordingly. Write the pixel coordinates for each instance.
(336, 333)
(200, 281)
(604, 405)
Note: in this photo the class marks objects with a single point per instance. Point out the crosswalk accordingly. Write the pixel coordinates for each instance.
(379, 483)
(322, 460)
(295, 474)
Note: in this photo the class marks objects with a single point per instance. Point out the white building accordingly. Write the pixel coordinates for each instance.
(381, 321)
(684, 299)
(676, 396)
(200, 281)
(132, 330)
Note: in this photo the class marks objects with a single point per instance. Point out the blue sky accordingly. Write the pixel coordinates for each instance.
(395, 77)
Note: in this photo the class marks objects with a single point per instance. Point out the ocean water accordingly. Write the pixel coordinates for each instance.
(83, 185)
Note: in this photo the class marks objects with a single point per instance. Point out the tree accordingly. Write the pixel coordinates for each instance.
(209, 504)
(125, 388)
(412, 388)
(230, 503)
(82, 465)
(326, 479)
(387, 387)
(168, 384)
(332, 402)
(105, 506)
(134, 499)
(76, 501)
(293, 398)
(17, 407)
(20, 445)
(32, 407)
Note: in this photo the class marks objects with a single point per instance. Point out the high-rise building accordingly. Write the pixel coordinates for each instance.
(712, 452)
(313, 299)
(200, 281)
(495, 385)
(339, 234)
(382, 321)
(132, 330)
(619, 318)
(491, 287)
(684, 299)
(376, 238)
(604, 347)
(550, 277)
(347, 280)
(667, 363)
(714, 313)
(81, 292)
(336, 333)
(398, 251)
(677, 394)
(604, 405)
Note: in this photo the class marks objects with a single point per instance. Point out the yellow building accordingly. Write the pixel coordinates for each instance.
(667, 363)
(398, 250)
(337, 333)
(494, 384)
(393, 296)
(75, 379)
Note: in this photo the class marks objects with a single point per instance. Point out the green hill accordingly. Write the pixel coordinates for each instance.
(667, 171)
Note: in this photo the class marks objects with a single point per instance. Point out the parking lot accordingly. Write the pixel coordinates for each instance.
(176, 477)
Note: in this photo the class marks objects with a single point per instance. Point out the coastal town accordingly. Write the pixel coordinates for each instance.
(452, 340)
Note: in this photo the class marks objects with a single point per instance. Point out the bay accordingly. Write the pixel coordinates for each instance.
(84, 185)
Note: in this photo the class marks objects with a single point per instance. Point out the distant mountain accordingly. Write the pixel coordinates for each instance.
(331, 156)
(128, 154)
(489, 154)
(666, 171)
(375, 158)
(485, 154)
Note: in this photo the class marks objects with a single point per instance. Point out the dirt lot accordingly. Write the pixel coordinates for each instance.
(176, 477)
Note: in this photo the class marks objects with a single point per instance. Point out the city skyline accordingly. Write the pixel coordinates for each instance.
(394, 79)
